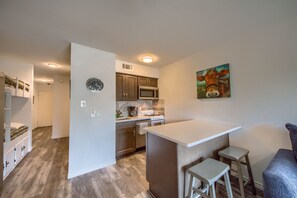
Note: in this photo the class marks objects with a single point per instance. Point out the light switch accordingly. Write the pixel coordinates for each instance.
(83, 103)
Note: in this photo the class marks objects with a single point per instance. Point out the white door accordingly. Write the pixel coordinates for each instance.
(44, 108)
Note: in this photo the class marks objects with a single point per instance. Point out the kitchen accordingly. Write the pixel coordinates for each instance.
(137, 106)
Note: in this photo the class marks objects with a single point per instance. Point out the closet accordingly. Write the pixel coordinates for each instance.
(15, 134)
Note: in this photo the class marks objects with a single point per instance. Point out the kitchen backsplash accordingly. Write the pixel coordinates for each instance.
(156, 105)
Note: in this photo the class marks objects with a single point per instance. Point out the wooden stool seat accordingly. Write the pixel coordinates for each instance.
(209, 171)
(233, 153)
(236, 154)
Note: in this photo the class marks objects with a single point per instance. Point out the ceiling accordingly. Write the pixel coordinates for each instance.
(41, 31)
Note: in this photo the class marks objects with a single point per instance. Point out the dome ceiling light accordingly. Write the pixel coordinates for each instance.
(147, 59)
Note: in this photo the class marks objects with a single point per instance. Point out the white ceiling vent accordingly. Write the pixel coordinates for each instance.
(127, 67)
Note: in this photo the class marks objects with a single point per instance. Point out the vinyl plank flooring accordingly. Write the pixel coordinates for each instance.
(43, 174)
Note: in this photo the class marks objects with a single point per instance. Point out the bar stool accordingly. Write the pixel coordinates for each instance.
(236, 154)
(209, 171)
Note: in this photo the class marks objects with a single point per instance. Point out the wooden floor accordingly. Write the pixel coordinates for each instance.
(43, 173)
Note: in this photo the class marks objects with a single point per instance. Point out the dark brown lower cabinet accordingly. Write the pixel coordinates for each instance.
(125, 138)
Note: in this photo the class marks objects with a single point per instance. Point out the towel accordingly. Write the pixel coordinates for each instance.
(142, 125)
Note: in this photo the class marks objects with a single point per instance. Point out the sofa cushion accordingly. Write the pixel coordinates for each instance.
(280, 177)
(293, 135)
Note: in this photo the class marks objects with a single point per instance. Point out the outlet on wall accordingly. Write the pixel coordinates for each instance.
(83, 103)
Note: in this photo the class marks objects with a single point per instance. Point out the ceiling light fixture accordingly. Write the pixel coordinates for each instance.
(52, 65)
(147, 59)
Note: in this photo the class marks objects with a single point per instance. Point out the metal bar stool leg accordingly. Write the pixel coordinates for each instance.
(240, 177)
(212, 191)
(190, 192)
(228, 185)
(250, 175)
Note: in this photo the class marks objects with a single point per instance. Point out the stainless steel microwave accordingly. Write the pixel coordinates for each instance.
(145, 92)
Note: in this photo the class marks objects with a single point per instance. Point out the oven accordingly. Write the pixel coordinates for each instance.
(157, 120)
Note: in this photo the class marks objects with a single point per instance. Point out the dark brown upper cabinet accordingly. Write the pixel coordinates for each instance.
(145, 81)
(126, 87)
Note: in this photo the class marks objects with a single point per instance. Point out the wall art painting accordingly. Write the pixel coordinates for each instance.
(214, 82)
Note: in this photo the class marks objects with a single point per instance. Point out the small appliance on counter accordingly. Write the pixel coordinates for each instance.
(132, 111)
(155, 119)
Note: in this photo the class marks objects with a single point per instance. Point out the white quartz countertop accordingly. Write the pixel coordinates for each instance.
(130, 119)
(193, 132)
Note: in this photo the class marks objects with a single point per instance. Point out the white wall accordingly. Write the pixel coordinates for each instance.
(91, 140)
(38, 87)
(21, 107)
(61, 111)
(139, 70)
(263, 66)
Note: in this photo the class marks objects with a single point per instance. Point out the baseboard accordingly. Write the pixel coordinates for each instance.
(84, 171)
(58, 137)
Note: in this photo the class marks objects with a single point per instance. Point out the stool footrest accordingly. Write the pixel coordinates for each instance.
(201, 191)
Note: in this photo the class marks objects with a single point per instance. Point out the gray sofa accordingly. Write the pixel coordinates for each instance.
(280, 177)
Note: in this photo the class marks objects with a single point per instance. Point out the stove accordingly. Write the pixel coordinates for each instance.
(157, 117)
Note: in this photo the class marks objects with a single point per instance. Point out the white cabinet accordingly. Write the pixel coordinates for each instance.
(18, 152)
(8, 162)
(24, 146)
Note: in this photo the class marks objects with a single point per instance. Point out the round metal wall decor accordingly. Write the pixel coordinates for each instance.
(95, 85)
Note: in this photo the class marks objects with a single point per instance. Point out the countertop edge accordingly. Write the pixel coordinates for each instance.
(196, 142)
(132, 119)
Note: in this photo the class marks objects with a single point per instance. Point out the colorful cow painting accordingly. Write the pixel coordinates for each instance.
(214, 82)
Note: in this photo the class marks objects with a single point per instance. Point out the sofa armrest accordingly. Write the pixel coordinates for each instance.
(280, 177)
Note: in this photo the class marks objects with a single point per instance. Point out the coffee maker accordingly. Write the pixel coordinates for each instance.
(132, 111)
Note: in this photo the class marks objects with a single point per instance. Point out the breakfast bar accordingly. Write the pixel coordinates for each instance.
(173, 148)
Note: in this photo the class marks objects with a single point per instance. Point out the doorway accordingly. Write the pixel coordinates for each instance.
(45, 108)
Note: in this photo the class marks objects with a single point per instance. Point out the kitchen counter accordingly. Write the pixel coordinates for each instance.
(172, 148)
(130, 119)
(193, 132)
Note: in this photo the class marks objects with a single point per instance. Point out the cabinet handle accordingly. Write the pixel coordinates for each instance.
(6, 163)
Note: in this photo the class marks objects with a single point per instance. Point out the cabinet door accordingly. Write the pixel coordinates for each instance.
(125, 138)
(24, 146)
(8, 161)
(120, 86)
(18, 152)
(153, 82)
(143, 81)
(131, 87)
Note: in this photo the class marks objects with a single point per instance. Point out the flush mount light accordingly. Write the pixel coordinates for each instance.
(52, 65)
(147, 59)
